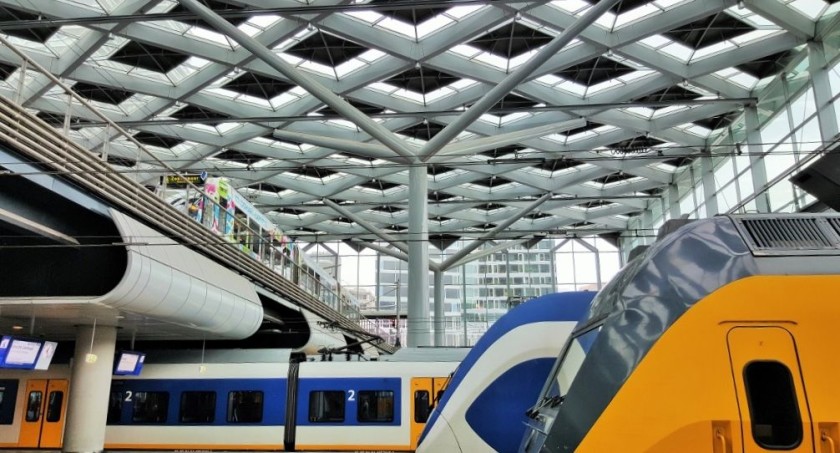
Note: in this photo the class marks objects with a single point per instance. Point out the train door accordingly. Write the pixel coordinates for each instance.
(425, 393)
(42, 417)
(771, 394)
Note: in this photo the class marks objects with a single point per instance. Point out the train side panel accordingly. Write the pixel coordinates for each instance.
(688, 393)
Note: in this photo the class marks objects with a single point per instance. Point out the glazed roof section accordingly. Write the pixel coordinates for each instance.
(603, 126)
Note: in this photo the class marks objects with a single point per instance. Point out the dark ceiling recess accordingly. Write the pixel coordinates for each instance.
(627, 5)
(148, 138)
(511, 103)
(492, 181)
(241, 157)
(489, 206)
(215, 6)
(194, 112)
(101, 93)
(312, 172)
(767, 66)
(503, 151)
(673, 93)
(6, 70)
(594, 71)
(613, 177)
(378, 184)
(266, 187)
(511, 40)
(415, 15)
(258, 86)
(397, 228)
(581, 224)
(678, 161)
(290, 211)
(594, 204)
(441, 218)
(423, 131)
(717, 122)
(590, 125)
(387, 208)
(342, 220)
(537, 215)
(636, 145)
(56, 119)
(121, 161)
(709, 30)
(438, 169)
(422, 80)
(38, 33)
(443, 241)
(148, 57)
(654, 191)
(559, 164)
(357, 156)
(270, 136)
(439, 196)
(367, 109)
(327, 49)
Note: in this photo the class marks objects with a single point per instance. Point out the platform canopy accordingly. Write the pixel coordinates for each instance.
(600, 130)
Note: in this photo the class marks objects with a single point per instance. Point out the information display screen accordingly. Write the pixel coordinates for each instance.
(19, 353)
(129, 363)
(46, 355)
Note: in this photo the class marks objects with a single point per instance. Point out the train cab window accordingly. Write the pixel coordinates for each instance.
(33, 406)
(375, 406)
(245, 407)
(776, 423)
(115, 402)
(198, 407)
(150, 407)
(8, 392)
(54, 404)
(422, 406)
(326, 406)
(569, 366)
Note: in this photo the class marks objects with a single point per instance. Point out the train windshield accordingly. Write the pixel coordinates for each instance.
(565, 374)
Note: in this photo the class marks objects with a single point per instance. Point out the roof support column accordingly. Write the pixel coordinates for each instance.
(418, 257)
(822, 90)
(321, 92)
(674, 201)
(757, 168)
(87, 403)
(707, 167)
(439, 320)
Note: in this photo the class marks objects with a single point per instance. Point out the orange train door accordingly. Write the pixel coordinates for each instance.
(42, 417)
(424, 398)
(771, 394)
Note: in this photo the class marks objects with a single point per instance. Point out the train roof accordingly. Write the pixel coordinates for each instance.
(197, 356)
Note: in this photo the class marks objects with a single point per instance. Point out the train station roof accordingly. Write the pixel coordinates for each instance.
(579, 145)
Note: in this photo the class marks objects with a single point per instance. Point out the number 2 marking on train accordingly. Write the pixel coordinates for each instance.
(128, 395)
(352, 396)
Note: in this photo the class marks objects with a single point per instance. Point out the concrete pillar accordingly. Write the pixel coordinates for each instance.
(90, 387)
(674, 201)
(418, 258)
(439, 319)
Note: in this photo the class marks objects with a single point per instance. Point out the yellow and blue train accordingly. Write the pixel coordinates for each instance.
(720, 338)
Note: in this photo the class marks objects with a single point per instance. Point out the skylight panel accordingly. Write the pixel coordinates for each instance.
(739, 77)
(811, 8)
(264, 21)
(572, 6)
(433, 25)
(187, 69)
(635, 14)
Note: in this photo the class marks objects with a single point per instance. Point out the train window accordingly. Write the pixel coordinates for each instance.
(326, 406)
(54, 403)
(776, 423)
(422, 406)
(572, 361)
(8, 393)
(115, 408)
(376, 406)
(245, 407)
(33, 406)
(198, 407)
(150, 407)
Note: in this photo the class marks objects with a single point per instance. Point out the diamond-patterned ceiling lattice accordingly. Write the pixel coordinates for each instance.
(216, 101)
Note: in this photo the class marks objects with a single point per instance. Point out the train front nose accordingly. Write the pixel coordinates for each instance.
(439, 438)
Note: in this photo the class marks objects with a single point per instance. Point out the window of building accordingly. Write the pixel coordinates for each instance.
(776, 423)
(245, 406)
(198, 407)
(326, 406)
(54, 404)
(150, 407)
(376, 406)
